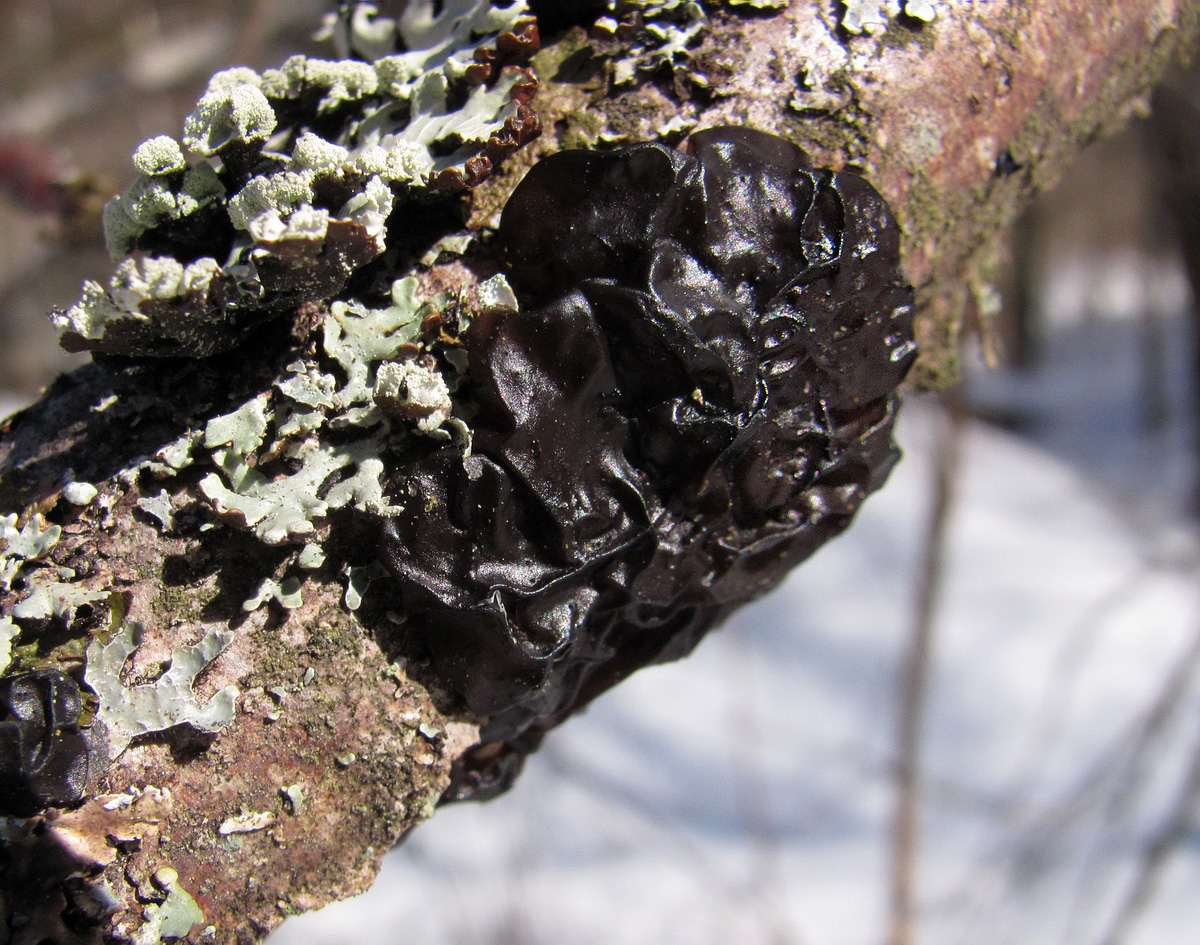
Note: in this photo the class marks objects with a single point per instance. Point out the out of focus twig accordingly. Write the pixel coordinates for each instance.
(1174, 829)
(915, 677)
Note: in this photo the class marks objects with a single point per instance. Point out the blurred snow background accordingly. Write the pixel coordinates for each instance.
(749, 794)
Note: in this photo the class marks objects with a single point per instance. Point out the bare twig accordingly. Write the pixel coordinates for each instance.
(1157, 852)
(752, 790)
(914, 679)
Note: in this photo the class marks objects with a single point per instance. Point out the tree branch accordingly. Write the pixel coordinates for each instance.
(341, 740)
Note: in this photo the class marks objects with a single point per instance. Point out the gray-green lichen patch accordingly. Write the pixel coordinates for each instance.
(294, 797)
(414, 391)
(80, 493)
(33, 540)
(660, 34)
(174, 917)
(315, 440)
(287, 593)
(8, 633)
(430, 36)
(55, 599)
(874, 16)
(311, 557)
(158, 198)
(228, 112)
(358, 580)
(158, 156)
(246, 821)
(282, 215)
(380, 385)
(125, 712)
(160, 507)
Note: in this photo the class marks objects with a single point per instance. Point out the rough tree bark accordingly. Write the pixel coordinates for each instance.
(335, 750)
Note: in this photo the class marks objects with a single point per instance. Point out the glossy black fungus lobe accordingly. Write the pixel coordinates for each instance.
(43, 755)
(554, 15)
(698, 391)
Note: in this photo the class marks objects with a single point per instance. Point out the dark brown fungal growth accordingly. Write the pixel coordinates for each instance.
(43, 755)
(698, 392)
(555, 15)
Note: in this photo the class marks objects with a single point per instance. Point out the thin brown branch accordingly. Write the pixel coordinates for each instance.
(914, 678)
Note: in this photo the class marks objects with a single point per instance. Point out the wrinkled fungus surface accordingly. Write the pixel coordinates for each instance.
(698, 391)
(43, 757)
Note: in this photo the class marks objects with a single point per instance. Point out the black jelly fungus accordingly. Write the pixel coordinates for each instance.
(554, 15)
(698, 391)
(43, 754)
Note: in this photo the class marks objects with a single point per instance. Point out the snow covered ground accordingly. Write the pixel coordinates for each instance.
(745, 795)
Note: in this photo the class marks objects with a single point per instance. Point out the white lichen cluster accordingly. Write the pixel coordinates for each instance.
(875, 16)
(658, 34)
(158, 195)
(287, 593)
(401, 119)
(50, 598)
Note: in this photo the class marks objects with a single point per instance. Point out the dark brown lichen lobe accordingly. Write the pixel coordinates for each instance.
(697, 392)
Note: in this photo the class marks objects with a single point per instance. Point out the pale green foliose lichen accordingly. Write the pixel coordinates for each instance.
(133, 301)
(80, 493)
(8, 633)
(431, 38)
(311, 557)
(50, 598)
(294, 796)
(241, 430)
(159, 506)
(161, 155)
(232, 112)
(156, 199)
(171, 919)
(126, 712)
(376, 390)
(413, 391)
(667, 31)
(34, 540)
(495, 296)
(286, 593)
(420, 111)
(357, 582)
(321, 476)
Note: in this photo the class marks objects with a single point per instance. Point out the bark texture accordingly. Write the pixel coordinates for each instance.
(338, 745)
